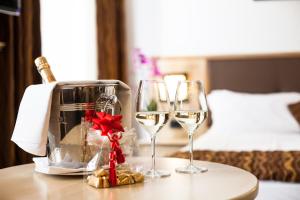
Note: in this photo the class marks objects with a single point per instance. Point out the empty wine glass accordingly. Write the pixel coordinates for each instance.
(190, 109)
(152, 112)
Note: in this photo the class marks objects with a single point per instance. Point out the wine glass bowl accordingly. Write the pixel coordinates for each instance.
(190, 111)
(190, 120)
(152, 121)
(152, 113)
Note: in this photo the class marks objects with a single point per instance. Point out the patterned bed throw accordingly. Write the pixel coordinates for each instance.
(265, 165)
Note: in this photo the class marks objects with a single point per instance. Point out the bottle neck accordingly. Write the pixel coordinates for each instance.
(47, 75)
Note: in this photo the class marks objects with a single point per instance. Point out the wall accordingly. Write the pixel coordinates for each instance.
(69, 38)
(210, 27)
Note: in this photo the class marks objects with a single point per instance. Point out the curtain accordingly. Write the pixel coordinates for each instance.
(111, 39)
(21, 36)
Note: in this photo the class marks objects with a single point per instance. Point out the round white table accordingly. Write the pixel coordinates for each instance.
(220, 182)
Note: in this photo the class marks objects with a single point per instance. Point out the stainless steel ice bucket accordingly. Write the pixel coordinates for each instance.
(66, 137)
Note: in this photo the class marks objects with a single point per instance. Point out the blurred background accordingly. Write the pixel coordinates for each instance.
(132, 40)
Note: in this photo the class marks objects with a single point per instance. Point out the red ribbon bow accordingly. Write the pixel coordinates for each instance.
(107, 123)
(110, 127)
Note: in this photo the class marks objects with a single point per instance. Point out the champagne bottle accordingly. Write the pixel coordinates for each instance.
(44, 69)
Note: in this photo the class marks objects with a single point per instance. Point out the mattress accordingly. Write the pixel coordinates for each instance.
(274, 190)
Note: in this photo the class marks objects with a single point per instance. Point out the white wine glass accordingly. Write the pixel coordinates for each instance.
(190, 109)
(152, 112)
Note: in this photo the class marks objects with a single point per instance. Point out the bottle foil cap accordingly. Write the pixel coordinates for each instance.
(41, 62)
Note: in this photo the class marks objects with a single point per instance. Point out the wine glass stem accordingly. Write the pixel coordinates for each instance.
(153, 153)
(191, 148)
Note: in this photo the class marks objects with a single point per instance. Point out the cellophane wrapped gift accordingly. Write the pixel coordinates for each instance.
(75, 140)
(114, 144)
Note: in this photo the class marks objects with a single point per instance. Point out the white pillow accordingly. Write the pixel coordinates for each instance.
(234, 112)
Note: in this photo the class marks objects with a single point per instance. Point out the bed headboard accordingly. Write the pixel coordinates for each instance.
(255, 74)
(263, 73)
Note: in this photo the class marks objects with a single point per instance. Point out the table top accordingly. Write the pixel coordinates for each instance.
(220, 182)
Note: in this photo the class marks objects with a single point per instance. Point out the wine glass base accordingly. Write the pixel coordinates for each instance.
(157, 173)
(191, 169)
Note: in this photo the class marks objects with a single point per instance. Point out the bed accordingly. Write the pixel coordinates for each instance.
(248, 99)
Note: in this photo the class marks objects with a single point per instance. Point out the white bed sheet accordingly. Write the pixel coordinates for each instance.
(275, 190)
(268, 190)
(263, 141)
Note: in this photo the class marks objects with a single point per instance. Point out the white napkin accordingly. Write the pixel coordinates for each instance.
(32, 123)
